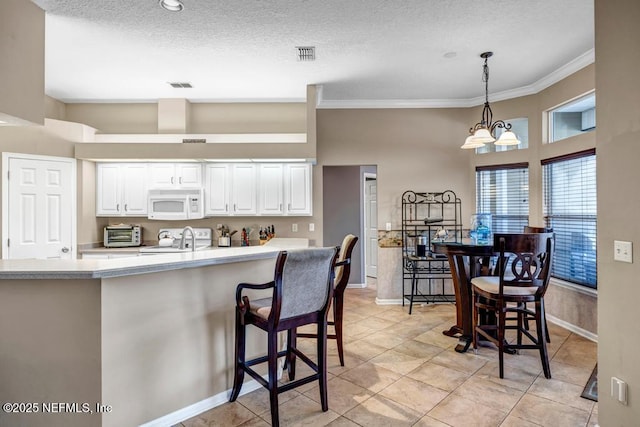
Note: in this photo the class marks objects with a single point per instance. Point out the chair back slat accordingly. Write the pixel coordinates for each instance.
(524, 259)
(305, 283)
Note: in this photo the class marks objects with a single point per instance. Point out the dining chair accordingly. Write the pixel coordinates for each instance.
(301, 293)
(524, 269)
(531, 229)
(342, 273)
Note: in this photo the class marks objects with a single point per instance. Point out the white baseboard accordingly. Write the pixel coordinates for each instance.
(356, 285)
(573, 328)
(382, 301)
(200, 407)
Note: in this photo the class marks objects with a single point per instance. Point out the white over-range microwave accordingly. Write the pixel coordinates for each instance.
(176, 204)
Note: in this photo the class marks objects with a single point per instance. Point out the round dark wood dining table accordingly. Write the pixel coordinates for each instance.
(467, 259)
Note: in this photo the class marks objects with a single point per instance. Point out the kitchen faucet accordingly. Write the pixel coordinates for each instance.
(193, 238)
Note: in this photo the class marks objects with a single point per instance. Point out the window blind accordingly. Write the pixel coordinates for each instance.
(503, 191)
(569, 207)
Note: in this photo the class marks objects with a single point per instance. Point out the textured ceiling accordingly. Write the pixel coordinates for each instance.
(377, 52)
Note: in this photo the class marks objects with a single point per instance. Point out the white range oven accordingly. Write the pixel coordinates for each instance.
(176, 203)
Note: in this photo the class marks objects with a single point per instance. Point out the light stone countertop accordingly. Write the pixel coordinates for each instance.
(104, 268)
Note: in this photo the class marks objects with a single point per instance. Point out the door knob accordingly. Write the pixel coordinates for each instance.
(65, 250)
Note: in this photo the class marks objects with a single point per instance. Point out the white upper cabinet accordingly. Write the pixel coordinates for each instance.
(121, 189)
(271, 189)
(297, 189)
(217, 189)
(243, 189)
(175, 175)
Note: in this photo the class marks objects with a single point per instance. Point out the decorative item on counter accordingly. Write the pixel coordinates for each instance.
(267, 233)
(245, 237)
(224, 237)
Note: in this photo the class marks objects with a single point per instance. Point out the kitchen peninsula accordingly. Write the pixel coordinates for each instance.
(149, 338)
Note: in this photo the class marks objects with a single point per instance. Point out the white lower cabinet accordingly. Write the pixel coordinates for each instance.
(121, 189)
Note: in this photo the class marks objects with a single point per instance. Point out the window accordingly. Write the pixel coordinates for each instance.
(520, 127)
(569, 194)
(503, 191)
(573, 118)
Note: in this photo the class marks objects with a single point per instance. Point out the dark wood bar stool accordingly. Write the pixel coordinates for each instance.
(343, 270)
(531, 229)
(524, 270)
(302, 291)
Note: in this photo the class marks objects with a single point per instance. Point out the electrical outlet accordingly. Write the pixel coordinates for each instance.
(388, 226)
(294, 228)
(622, 251)
(312, 227)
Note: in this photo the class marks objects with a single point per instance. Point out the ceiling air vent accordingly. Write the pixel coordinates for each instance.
(306, 53)
(180, 85)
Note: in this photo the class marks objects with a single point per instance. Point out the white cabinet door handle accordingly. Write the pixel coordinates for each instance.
(172, 180)
(118, 207)
(180, 180)
(126, 208)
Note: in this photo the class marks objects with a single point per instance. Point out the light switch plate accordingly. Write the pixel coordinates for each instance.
(294, 228)
(312, 227)
(622, 251)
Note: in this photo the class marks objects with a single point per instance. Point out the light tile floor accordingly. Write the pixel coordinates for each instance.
(401, 370)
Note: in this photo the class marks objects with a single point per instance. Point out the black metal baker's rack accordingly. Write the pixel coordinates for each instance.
(427, 216)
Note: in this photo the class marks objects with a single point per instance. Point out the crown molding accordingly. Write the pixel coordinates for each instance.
(561, 73)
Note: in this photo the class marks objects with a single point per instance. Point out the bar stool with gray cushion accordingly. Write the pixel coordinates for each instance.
(524, 270)
(301, 294)
(343, 271)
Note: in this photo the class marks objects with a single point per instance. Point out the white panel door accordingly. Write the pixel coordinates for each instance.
(371, 228)
(41, 209)
(270, 189)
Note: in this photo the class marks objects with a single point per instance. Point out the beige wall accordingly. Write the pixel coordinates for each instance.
(618, 151)
(51, 345)
(22, 64)
(170, 336)
(202, 117)
(413, 149)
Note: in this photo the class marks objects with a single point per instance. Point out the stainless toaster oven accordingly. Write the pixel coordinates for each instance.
(122, 235)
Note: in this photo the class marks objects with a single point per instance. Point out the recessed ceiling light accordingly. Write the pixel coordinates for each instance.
(450, 55)
(171, 5)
